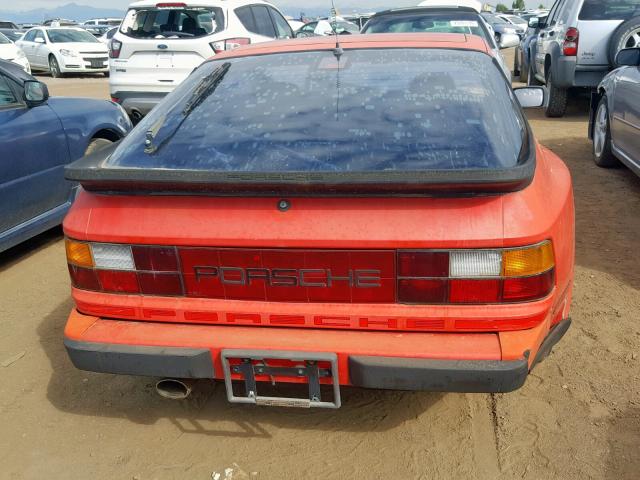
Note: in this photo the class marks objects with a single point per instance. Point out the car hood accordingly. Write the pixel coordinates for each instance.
(8, 51)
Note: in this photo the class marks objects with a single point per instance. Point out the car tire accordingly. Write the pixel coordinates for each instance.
(517, 69)
(106, 74)
(97, 144)
(54, 67)
(627, 35)
(602, 153)
(524, 73)
(557, 105)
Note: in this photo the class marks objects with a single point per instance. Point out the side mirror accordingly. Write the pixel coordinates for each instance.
(35, 93)
(628, 57)
(38, 40)
(534, 22)
(531, 97)
(508, 40)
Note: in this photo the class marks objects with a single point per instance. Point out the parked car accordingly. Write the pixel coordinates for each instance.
(159, 44)
(577, 45)
(38, 137)
(111, 22)
(518, 23)
(5, 24)
(526, 50)
(10, 52)
(440, 20)
(324, 27)
(615, 114)
(500, 26)
(59, 22)
(11, 34)
(62, 50)
(474, 4)
(376, 214)
(106, 38)
(360, 19)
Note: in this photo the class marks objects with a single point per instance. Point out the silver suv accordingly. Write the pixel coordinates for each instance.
(578, 43)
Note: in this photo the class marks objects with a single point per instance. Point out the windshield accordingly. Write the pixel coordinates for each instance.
(466, 23)
(69, 36)
(189, 22)
(12, 35)
(609, 9)
(493, 19)
(4, 40)
(517, 20)
(373, 110)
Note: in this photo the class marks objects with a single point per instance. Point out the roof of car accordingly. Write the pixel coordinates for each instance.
(452, 41)
(200, 3)
(425, 9)
(14, 71)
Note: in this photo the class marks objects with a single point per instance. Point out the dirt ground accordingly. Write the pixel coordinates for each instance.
(578, 416)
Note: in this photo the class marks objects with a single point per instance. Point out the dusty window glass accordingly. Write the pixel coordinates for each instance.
(609, 9)
(373, 110)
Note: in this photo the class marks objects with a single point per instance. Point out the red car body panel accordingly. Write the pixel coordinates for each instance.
(542, 211)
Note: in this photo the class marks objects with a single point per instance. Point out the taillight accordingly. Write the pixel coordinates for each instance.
(570, 45)
(115, 48)
(229, 44)
(476, 276)
(421, 277)
(115, 268)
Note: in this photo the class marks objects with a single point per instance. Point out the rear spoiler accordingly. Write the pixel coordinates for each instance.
(93, 175)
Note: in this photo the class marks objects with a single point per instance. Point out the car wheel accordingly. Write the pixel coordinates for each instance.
(557, 105)
(626, 35)
(97, 144)
(54, 67)
(602, 154)
(106, 74)
(516, 63)
(532, 80)
(524, 72)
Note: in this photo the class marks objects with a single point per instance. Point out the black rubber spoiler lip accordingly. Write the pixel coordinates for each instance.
(91, 173)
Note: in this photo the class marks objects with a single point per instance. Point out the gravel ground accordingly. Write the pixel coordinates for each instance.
(578, 416)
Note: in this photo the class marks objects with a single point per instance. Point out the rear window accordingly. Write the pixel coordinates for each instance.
(373, 111)
(609, 9)
(190, 22)
(465, 23)
(4, 40)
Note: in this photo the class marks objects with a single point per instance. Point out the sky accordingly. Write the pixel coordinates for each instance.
(22, 5)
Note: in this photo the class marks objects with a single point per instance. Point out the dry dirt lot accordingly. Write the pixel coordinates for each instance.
(578, 416)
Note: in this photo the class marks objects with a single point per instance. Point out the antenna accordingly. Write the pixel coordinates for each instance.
(334, 21)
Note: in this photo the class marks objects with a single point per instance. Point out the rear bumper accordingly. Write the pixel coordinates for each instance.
(383, 360)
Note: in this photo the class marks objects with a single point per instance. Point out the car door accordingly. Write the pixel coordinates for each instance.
(34, 153)
(283, 29)
(41, 51)
(546, 37)
(625, 125)
(28, 46)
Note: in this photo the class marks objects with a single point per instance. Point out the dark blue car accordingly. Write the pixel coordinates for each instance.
(38, 137)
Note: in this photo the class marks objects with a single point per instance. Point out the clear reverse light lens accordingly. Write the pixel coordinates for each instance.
(112, 257)
(474, 264)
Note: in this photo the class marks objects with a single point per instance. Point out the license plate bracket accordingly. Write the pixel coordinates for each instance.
(253, 363)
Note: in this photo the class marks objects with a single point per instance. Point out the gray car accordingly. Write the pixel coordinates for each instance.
(501, 26)
(577, 45)
(615, 114)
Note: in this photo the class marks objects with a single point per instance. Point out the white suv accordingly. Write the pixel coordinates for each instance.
(159, 44)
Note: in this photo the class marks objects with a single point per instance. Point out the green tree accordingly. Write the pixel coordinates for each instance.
(542, 6)
(518, 5)
(501, 7)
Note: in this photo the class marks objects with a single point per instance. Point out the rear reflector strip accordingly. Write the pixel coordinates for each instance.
(463, 277)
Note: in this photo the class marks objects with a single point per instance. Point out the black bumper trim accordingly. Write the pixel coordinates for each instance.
(554, 336)
(140, 360)
(463, 376)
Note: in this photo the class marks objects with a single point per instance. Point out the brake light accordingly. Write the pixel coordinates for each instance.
(421, 277)
(115, 47)
(571, 40)
(229, 44)
(171, 5)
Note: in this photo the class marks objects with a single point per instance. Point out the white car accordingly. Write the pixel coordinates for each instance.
(159, 44)
(11, 52)
(108, 35)
(61, 50)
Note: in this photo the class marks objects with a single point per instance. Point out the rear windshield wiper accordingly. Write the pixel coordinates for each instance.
(203, 91)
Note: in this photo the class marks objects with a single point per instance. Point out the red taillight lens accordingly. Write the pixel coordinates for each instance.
(84, 278)
(165, 284)
(423, 264)
(422, 291)
(155, 259)
(229, 44)
(571, 42)
(115, 47)
(528, 288)
(474, 291)
(116, 281)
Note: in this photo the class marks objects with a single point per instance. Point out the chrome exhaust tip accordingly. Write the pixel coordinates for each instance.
(174, 389)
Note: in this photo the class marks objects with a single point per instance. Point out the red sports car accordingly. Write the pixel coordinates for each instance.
(373, 213)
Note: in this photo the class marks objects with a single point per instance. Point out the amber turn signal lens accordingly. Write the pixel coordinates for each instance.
(78, 253)
(529, 261)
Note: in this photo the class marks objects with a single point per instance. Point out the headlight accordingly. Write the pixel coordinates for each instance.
(68, 53)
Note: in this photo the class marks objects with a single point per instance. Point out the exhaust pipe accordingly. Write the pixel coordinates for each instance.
(174, 389)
